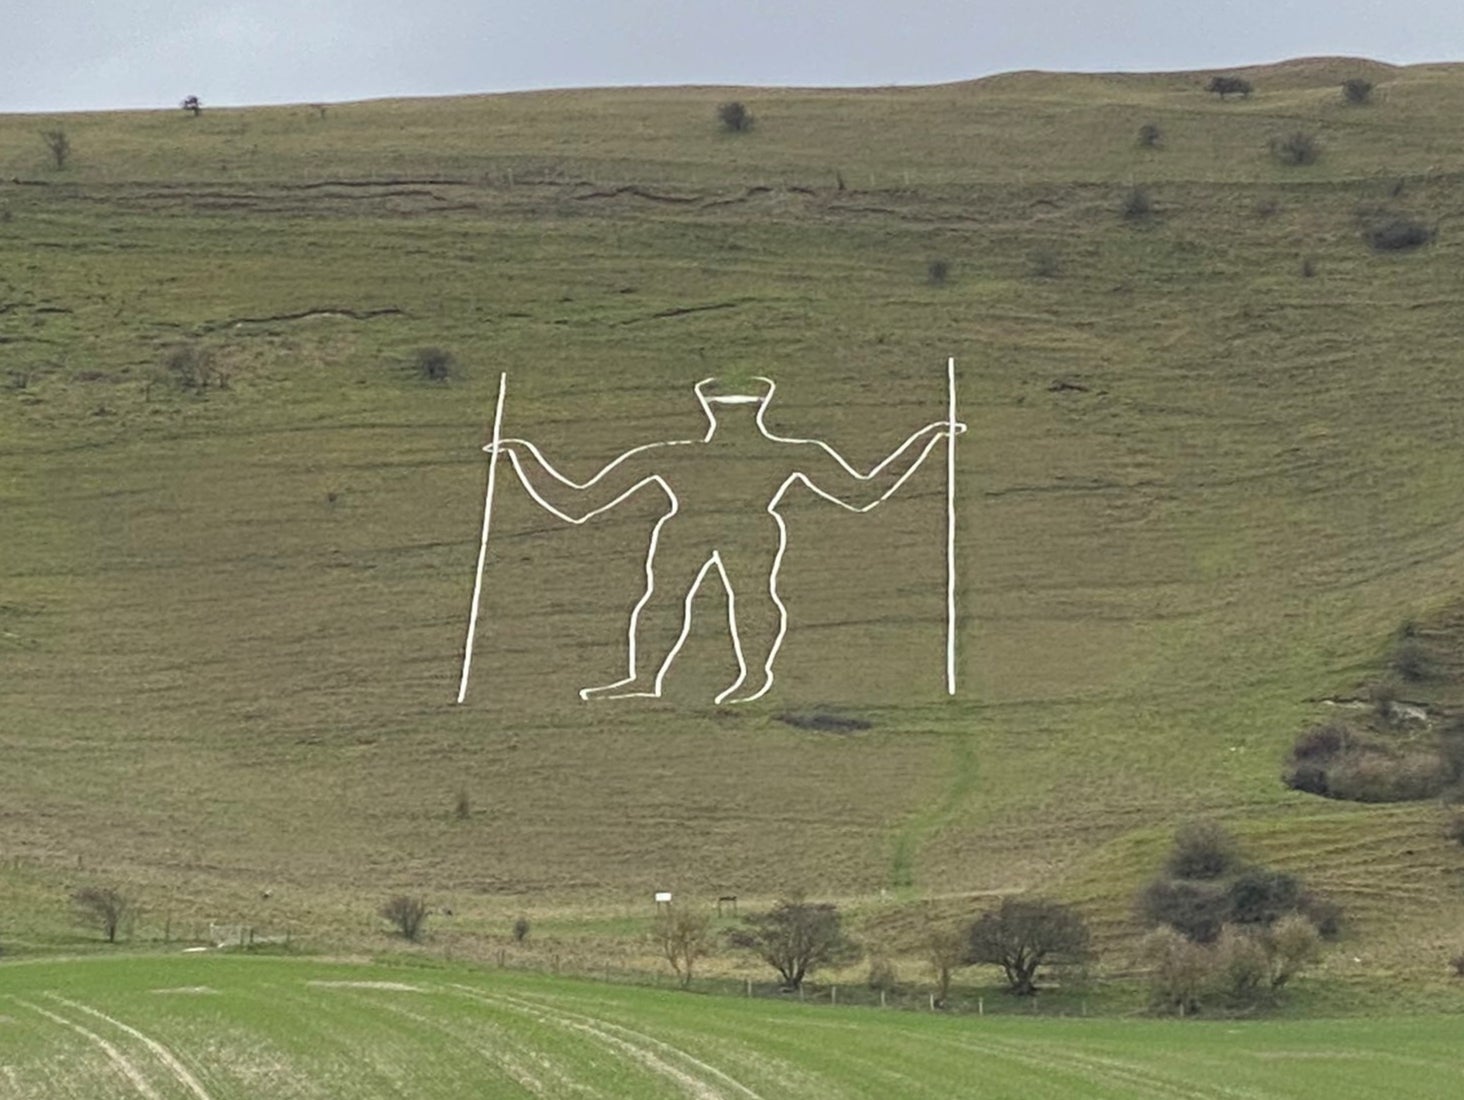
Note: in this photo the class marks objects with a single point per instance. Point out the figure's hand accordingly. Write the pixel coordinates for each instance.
(958, 428)
(504, 446)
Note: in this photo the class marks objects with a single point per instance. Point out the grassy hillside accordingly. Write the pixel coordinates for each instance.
(220, 1028)
(1199, 490)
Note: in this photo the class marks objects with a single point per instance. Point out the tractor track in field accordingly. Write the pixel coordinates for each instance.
(707, 1082)
(124, 1065)
(529, 1069)
(159, 1051)
(1137, 1081)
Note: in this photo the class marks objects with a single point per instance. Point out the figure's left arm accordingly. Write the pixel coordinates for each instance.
(829, 475)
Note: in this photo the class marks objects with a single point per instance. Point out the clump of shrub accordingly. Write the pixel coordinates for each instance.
(1178, 971)
(1383, 695)
(408, 914)
(1251, 967)
(434, 364)
(1223, 86)
(735, 117)
(938, 272)
(1451, 750)
(1387, 777)
(1225, 891)
(1202, 850)
(1336, 761)
(520, 929)
(1137, 205)
(1356, 90)
(1045, 263)
(1454, 828)
(1296, 148)
(1308, 267)
(1267, 206)
(1313, 753)
(194, 368)
(1235, 934)
(1394, 752)
(1398, 233)
(1196, 910)
(824, 721)
(1150, 136)
(882, 977)
(1411, 660)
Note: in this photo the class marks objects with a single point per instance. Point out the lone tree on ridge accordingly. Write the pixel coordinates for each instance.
(1223, 86)
(735, 117)
(59, 145)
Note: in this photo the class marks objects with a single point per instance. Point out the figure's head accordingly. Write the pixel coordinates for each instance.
(715, 393)
(718, 391)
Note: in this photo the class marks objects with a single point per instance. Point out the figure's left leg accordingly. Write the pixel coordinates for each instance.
(758, 617)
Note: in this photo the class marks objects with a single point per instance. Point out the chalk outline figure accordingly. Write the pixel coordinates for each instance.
(506, 446)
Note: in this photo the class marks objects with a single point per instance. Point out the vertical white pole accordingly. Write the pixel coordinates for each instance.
(483, 542)
(951, 529)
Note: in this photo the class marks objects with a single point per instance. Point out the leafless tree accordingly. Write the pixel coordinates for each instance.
(1024, 934)
(59, 144)
(104, 905)
(683, 936)
(1179, 970)
(945, 950)
(796, 937)
(409, 914)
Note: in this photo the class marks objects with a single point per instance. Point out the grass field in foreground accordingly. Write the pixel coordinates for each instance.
(219, 1028)
(1200, 490)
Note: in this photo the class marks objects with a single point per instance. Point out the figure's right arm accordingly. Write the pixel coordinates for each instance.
(577, 501)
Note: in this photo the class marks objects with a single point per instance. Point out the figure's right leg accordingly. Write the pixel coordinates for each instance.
(659, 623)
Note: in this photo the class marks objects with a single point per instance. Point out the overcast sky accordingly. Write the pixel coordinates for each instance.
(60, 55)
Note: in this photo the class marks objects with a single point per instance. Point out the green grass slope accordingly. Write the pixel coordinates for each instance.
(1199, 490)
(211, 1029)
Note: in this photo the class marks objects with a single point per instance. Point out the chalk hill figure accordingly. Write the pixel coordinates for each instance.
(722, 493)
